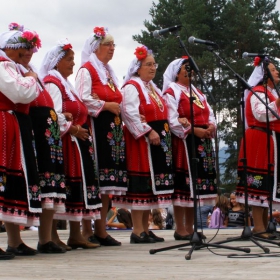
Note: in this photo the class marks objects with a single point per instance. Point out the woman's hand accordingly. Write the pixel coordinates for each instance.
(79, 132)
(202, 132)
(95, 96)
(113, 107)
(184, 122)
(154, 138)
(31, 74)
(68, 117)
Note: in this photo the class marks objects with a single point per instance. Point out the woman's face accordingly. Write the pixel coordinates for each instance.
(148, 69)
(66, 64)
(105, 51)
(274, 74)
(26, 57)
(183, 75)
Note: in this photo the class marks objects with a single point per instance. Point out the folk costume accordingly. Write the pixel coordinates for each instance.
(149, 167)
(82, 193)
(48, 146)
(177, 98)
(94, 77)
(20, 196)
(256, 153)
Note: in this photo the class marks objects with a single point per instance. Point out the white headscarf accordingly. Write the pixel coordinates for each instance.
(131, 74)
(52, 57)
(169, 78)
(255, 78)
(171, 72)
(100, 34)
(9, 39)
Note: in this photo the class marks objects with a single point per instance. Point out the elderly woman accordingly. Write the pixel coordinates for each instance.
(257, 151)
(82, 195)
(176, 89)
(97, 86)
(19, 183)
(49, 155)
(148, 146)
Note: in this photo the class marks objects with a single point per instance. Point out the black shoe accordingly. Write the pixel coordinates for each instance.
(108, 241)
(156, 238)
(144, 238)
(93, 239)
(21, 250)
(5, 255)
(177, 236)
(50, 248)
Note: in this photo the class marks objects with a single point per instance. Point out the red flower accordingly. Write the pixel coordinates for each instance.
(99, 31)
(257, 61)
(141, 52)
(185, 57)
(67, 47)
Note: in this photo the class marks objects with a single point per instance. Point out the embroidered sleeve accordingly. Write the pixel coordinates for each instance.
(130, 112)
(14, 86)
(259, 109)
(173, 116)
(56, 96)
(83, 86)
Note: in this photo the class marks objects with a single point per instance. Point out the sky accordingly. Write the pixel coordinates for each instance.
(75, 20)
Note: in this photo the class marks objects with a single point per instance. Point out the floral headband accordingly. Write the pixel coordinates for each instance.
(99, 32)
(28, 39)
(142, 52)
(16, 26)
(258, 60)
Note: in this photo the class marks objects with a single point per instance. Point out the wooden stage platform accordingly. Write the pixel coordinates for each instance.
(133, 261)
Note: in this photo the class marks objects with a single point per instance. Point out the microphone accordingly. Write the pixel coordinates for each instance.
(193, 40)
(157, 33)
(246, 54)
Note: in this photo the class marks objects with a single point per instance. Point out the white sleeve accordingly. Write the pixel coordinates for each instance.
(56, 96)
(173, 116)
(83, 85)
(130, 112)
(259, 109)
(14, 86)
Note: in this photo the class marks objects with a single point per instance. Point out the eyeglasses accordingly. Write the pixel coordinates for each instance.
(109, 45)
(150, 64)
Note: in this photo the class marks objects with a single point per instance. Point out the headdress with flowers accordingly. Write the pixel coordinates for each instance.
(99, 32)
(27, 39)
(140, 53)
(93, 41)
(54, 56)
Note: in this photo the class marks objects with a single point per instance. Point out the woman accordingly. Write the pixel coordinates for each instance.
(82, 195)
(148, 146)
(19, 185)
(176, 89)
(97, 86)
(257, 156)
(48, 146)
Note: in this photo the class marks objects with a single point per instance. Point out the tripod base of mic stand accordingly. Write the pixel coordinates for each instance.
(248, 236)
(197, 243)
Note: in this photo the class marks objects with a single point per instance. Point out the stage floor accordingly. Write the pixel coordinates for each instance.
(133, 261)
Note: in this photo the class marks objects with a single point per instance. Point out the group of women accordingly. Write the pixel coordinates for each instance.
(67, 149)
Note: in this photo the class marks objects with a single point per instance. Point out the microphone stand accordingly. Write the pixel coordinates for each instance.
(246, 233)
(196, 238)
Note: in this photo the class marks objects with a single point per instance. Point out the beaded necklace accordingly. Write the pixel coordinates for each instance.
(154, 96)
(196, 100)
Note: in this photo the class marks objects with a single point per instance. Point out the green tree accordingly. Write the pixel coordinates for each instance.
(237, 26)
